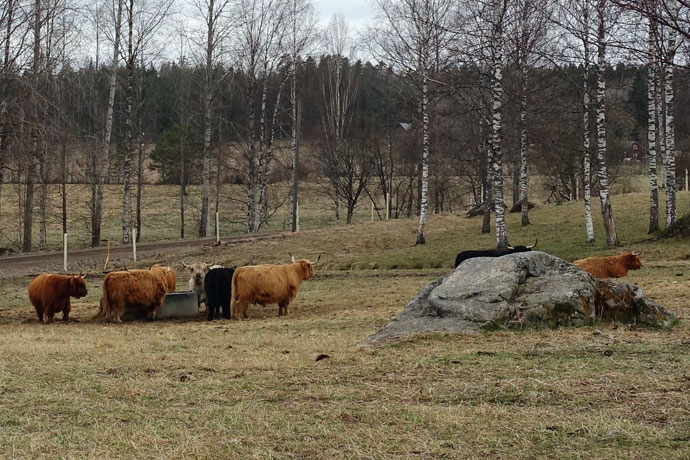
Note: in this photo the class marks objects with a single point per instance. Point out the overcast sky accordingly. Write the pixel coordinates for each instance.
(356, 12)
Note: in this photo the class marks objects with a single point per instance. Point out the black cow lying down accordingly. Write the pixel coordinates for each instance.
(464, 255)
(217, 285)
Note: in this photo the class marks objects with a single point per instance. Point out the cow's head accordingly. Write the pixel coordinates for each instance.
(522, 248)
(306, 265)
(632, 260)
(198, 270)
(78, 286)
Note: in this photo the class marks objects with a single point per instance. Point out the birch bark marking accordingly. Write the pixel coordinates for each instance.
(602, 173)
(651, 129)
(586, 153)
(424, 61)
(205, 218)
(670, 169)
(496, 115)
(523, 148)
(129, 136)
(101, 172)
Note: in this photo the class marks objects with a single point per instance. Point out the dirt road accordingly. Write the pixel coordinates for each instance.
(93, 258)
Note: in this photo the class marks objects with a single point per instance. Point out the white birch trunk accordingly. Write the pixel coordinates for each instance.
(670, 166)
(129, 136)
(651, 130)
(101, 167)
(586, 153)
(524, 202)
(294, 146)
(660, 118)
(496, 124)
(425, 157)
(205, 218)
(602, 173)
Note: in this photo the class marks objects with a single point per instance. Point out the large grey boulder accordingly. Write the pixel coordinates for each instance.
(528, 289)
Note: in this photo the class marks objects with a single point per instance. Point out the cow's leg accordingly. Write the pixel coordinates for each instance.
(65, 311)
(241, 306)
(226, 310)
(39, 312)
(283, 308)
(210, 310)
(156, 308)
(50, 315)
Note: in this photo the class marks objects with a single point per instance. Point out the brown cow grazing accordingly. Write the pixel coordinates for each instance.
(611, 266)
(136, 289)
(266, 284)
(51, 294)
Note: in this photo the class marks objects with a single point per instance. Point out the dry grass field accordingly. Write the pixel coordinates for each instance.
(254, 389)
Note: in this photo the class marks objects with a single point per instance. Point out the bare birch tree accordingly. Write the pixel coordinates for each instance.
(669, 104)
(652, 124)
(602, 173)
(302, 29)
(144, 18)
(413, 35)
(101, 164)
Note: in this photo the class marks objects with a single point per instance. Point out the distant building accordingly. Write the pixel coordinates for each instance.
(634, 153)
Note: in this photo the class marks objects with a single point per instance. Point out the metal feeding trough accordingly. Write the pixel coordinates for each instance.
(179, 305)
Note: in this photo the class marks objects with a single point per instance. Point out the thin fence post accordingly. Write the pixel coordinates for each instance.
(388, 207)
(217, 229)
(134, 243)
(297, 216)
(64, 245)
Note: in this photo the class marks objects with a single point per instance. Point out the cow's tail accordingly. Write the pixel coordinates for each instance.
(104, 310)
(233, 295)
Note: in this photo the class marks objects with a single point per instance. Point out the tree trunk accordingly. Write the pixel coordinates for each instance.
(423, 202)
(140, 183)
(28, 207)
(670, 166)
(42, 200)
(651, 130)
(205, 218)
(129, 131)
(294, 179)
(586, 153)
(101, 167)
(64, 188)
(496, 125)
(182, 180)
(606, 209)
(524, 208)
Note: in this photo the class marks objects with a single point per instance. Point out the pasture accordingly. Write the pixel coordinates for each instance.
(255, 389)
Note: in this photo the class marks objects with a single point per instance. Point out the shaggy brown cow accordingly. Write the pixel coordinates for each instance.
(611, 266)
(50, 294)
(266, 284)
(137, 289)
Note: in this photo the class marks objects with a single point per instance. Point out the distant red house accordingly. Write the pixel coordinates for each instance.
(635, 152)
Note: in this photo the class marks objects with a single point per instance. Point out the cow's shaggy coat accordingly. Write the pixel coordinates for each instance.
(136, 289)
(267, 284)
(217, 285)
(50, 294)
(610, 266)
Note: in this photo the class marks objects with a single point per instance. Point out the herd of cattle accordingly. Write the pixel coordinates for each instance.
(232, 290)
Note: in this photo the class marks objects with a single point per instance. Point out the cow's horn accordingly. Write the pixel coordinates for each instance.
(316, 261)
(82, 275)
(636, 253)
(184, 264)
(536, 240)
(291, 257)
(510, 247)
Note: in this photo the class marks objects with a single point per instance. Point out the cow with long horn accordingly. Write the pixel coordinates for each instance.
(464, 255)
(267, 284)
